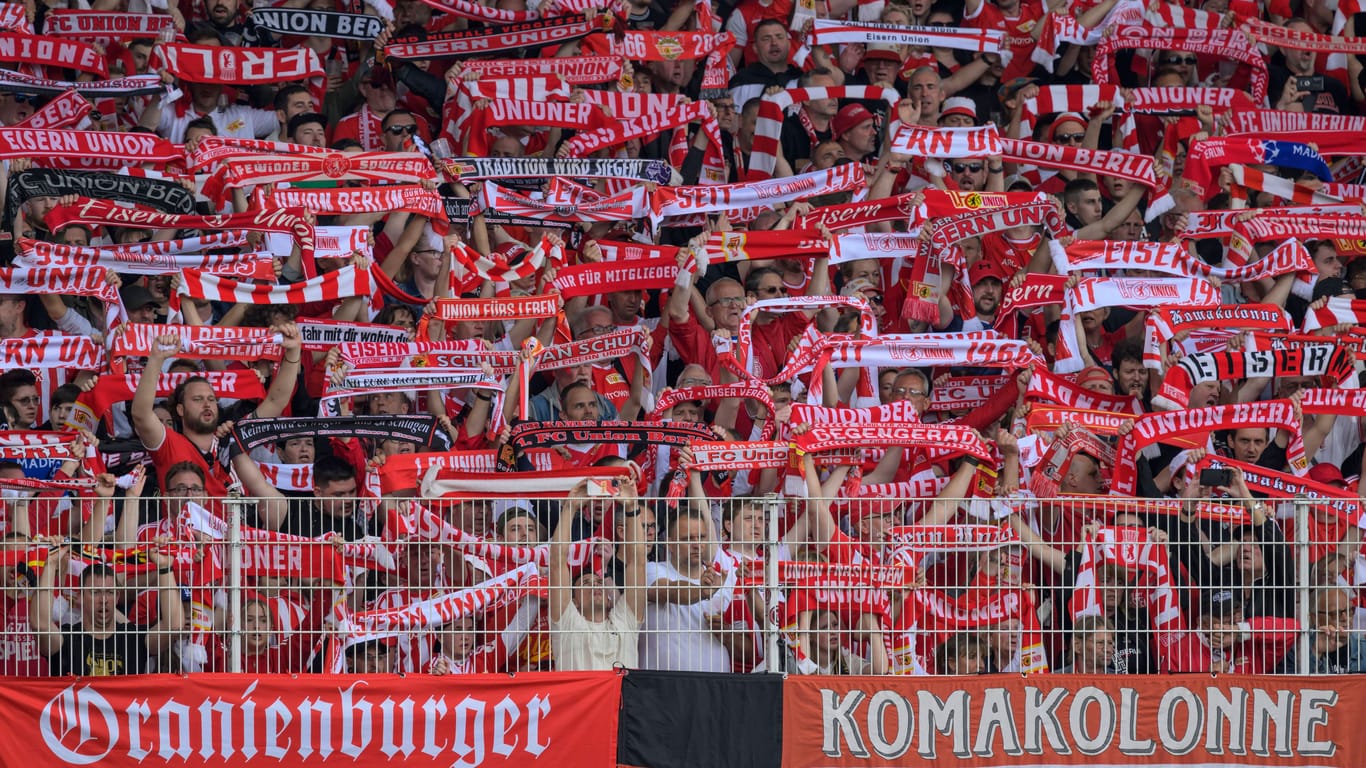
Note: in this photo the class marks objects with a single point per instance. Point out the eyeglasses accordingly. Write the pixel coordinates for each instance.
(774, 290)
(30, 400)
(909, 392)
(24, 98)
(723, 106)
(966, 167)
(595, 330)
(1189, 61)
(399, 130)
(694, 382)
(1069, 138)
(427, 252)
(729, 301)
(186, 490)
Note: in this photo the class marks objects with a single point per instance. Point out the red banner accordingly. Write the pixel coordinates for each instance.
(1006, 721)
(490, 721)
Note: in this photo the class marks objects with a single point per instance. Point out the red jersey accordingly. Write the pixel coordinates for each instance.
(19, 649)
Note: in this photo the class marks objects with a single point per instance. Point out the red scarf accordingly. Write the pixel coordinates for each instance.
(289, 221)
(199, 342)
(1121, 165)
(370, 167)
(1220, 43)
(117, 147)
(612, 276)
(622, 207)
(651, 45)
(104, 25)
(333, 286)
(346, 201)
(51, 351)
(44, 51)
(587, 142)
(543, 115)
(240, 66)
(575, 70)
(66, 111)
(94, 404)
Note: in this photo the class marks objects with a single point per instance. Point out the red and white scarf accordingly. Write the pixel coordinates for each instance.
(102, 26)
(69, 281)
(1163, 324)
(212, 150)
(500, 270)
(1221, 43)
(1045, 386)
(575, 70)
(685, 201)
(948, 439)
(766, 244)
(69, 110)
(1258, 122)
(116, 147)
(518, 308)
(1300, 227)
(1121, 165)
(587, 142)
(1171, 426)
(613, 276)
(1099, 292)
(625, 206)
(1249, 178)
(51, 351)
(94, 404)
(1175, 259)
(45, 51)
(544, 115)
(837, 31)
(505, 37)
(240, 66)
(39, 254)
(290, 221)
(199, 342)
(333, 286)
(947, 143)
(763, 158)
(370, 167)
(346, 201)
(651, 45)
(1339, 310)
(1129, 548)
(1299, 40)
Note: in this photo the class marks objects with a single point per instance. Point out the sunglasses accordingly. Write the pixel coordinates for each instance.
(1070, 137)
(399, 130)
(1187, 60)
(873, 298)
(966, 167)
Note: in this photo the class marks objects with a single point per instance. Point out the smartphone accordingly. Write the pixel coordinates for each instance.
(1216, 478)
(600, 489)
(1312, 84)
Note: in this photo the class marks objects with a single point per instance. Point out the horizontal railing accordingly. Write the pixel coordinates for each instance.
(747, 585)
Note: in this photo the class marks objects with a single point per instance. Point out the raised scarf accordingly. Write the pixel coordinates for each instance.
(575, 70)
(1280, 485)
(104, 25)
(1037, 290)
(51, 351)
(322, 335)
(94, 404)
(1049, 418)
(1339, 310)
(1259, 122)
(946, 143)
(611, 276)
(763, 158)
(500, 269)
(766, 244)
(1220, 43)
(333, 286)
(370, 167)
(1174, 259)
(346, 201)
(471, 168)
(1130, 548)
(1335, 366)
(637, 436)
(404, 471)
(1047, 386)
(1299, 40)
(544, 115)
(369, 381)
(1271, 226)
(138, 85)
(685, 201)
(422, 431)
(1137, 292)
(313, 23)
(1121, 165)
(504, 37)
(1288, 191)
(1207, 154)
(517, 308)
(258, 265)
(159, 194)
(622, 207)
(291, 221)
(68, 110)
(945, 439)
(965, 393)
(838, 31)
(1164, 323)
(587, 142)
(1174, 425)
(119, 147)
(439, 611)
(240, 66)
(199, 342)
(439, 483)
(45, 51)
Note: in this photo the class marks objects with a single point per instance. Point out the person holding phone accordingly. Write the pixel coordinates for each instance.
(1300, 81)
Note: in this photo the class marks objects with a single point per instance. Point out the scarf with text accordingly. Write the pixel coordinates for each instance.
(739, 456)
(635, 436)
(1299, 40)
(1218, 43)
(45, 51)
(575, 70)
(947, 143)
(421, 431)
(1137, 292)
(977, 349)
(1280, 485)
(573, 207)
(370, 167)
(1264, 121)
(312, 23)
(612, 276)
(158, 194)
(1121, 165)
(322, 335)
(93, 405)
(1333, 365)
(1129, 548)
(964, 393)
(1246, 178)
(69, 110)
(370, 381)
(652, 45)
(472, 168)
(587, 142)
(403, 472)
(438, 611)
(1175, 259)
(766, 244)
(104, 25)
(1173, 425)
(833, 31)
(258, 265)
(65, 281)
(1045, 386)
(1207, 154)
(240, 66)
(291, 221)
(625, 105)
(516, 308)
(51, 351)
(544, 115)
(346, 201)
(18, 444)
(1164, 323)
(684, 201)
(138, 85)
(1222, 223)
(439, 483)
(1269, 226)
(505, 37)
(1036, 290)
(333, 286)
(943, 439)
(120, 148)
(1053, 99)
(456, 113)
(768, 129)
(1049, 418)
(198, 342)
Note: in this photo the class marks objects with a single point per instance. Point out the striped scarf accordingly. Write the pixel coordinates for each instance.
(763, 158)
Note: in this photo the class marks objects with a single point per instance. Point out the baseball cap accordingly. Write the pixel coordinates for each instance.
(984, 268)
(858, 286)
(1220, 602)
(1011, 87)
(136, 297)
(849, 117)
(1326, 473)
(1066, 117)
(884, 51)
(1093, 373)
(861, 508)
(959, 105)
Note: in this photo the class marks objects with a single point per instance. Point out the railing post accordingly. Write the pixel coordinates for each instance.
(234, 544)
(1302, 589)
(773, 508)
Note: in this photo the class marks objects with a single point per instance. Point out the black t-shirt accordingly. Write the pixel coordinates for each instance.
(796, 142)
(122, 653)
(305, 519)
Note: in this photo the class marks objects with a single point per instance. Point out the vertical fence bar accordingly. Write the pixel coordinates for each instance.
(773, 509)
(1302, 589)
(234, 505)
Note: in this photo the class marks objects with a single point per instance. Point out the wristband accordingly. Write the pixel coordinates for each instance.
(294, 361)
(485, 398)
(996, 169)
(163, 571)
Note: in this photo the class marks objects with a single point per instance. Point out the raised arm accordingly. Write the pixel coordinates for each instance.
(561, 583)
(161, 637)
(148, 427)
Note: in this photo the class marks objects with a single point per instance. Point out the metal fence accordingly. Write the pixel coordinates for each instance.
(763, 585)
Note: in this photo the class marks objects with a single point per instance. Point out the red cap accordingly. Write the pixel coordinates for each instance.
(1066, 117)
(1327, 474)
(1094, 373)
(861, 508)
(984, 268)
(849, 117)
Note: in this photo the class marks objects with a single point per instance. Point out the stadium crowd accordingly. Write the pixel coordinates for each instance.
(940, 338)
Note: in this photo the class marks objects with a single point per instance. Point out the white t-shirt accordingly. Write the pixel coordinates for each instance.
(676, 637)
(234, 120)
(579, 644)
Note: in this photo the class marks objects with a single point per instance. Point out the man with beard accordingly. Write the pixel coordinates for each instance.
(856, 131)
(772, 45)
(987, 281)
(195, 406)
(227, 20)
